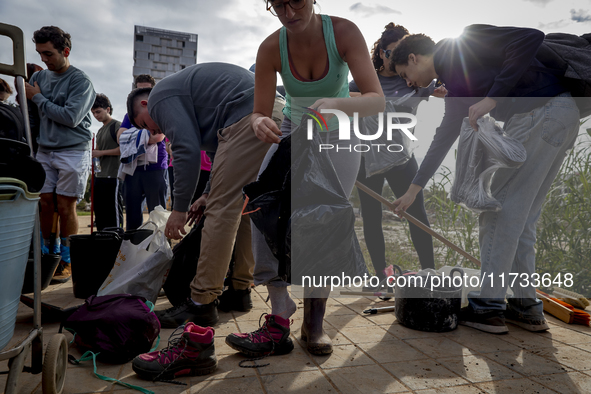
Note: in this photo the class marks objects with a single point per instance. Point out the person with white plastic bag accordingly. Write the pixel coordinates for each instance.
(141, 269)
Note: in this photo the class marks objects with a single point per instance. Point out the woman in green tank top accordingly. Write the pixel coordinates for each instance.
(313, 53)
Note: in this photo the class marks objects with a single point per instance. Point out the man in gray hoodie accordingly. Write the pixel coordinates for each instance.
(64, 96)
(208, 107)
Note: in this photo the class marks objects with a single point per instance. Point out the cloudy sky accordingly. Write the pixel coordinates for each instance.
(231, 30)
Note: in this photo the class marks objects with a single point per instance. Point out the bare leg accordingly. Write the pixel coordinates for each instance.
(66, 207)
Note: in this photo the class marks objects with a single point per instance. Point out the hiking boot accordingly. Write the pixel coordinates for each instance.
(235, 300)
(202, 315)
(272, 338)
(492, 322)
(62, 273)
(190, 353)
(533, 325)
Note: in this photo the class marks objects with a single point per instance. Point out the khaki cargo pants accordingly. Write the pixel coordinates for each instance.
(237, 161)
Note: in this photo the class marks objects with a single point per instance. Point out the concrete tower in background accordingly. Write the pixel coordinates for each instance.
(162, 52)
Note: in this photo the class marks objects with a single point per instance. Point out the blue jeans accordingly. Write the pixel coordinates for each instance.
(507, 237)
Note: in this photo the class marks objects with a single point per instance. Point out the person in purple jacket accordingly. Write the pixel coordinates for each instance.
(494, 70)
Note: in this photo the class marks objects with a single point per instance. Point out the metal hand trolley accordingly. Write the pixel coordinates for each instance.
(19, 220)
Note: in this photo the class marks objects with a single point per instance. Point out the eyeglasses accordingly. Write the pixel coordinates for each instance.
(387, 53)
(278, 9)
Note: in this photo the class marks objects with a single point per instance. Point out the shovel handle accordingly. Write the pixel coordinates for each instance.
(418, 223)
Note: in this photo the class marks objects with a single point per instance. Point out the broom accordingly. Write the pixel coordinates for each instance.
(575, 316)
(570, 297)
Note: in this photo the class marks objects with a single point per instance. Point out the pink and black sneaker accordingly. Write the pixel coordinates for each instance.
(192, 353)
(272, 338)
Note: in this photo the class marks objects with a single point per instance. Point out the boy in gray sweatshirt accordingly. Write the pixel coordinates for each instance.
(208, 107)
(64, 95)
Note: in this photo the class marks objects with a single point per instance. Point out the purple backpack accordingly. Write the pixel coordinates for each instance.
(117, 327)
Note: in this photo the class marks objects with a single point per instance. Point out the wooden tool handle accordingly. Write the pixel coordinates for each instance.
(418, 223)
(555, 309)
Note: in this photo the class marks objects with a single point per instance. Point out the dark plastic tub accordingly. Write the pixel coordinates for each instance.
(93, 257)
(420, 308)
(49, 263)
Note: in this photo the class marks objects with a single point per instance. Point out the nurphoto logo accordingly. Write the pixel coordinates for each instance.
(392, 122)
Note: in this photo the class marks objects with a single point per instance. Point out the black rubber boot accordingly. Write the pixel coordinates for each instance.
(319, 342)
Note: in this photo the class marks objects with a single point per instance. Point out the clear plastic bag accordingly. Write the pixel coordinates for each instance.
(380, 161)
(480, 154)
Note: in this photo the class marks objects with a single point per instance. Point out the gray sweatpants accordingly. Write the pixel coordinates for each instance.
(346, 165)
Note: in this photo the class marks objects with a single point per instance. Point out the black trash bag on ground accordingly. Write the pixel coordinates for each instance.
(299, 205)
(184, 266)
(480, 154)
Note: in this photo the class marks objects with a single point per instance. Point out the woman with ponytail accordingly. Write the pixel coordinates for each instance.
(400, 176)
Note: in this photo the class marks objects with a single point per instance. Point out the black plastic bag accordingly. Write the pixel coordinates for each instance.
(300, 207)
(184, 266)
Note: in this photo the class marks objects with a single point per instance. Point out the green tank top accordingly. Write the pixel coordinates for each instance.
(300, 94)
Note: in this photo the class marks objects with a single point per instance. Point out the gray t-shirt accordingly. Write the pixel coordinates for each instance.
(64, 109)
(190, 107)
(106, 139)
(396, 87)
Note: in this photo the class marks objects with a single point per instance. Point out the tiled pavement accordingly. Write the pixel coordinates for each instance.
(372, 354)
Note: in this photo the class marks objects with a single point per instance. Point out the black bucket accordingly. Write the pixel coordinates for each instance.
(137, 236)
(93, 257)
(421, 308)
(49, 263)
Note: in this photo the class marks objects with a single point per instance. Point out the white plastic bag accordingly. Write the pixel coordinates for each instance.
(480, 154)
(159, 216)
(140, 269)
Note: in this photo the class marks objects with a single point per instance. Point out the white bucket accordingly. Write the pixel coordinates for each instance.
(469, 272)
